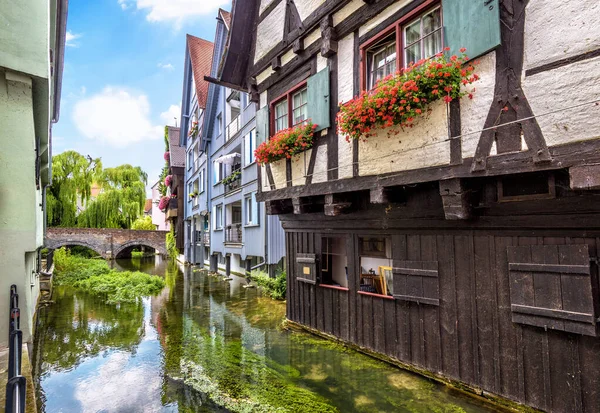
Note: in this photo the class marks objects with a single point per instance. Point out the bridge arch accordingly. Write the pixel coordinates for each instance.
(59, 244)
(141, 243)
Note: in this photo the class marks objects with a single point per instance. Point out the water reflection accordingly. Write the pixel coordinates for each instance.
(205, 342)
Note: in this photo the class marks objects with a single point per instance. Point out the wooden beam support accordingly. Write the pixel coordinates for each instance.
(276, 63)
(298, 45)
(307, 205)
(337, 205)
(329, 44)
(585, 177)
(455, 199)
(279, 207)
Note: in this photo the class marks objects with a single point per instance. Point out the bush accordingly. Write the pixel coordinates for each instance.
(275, 287)
(143, 224)
(71, 268)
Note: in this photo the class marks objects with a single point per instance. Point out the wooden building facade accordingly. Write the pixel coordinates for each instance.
(466, 246)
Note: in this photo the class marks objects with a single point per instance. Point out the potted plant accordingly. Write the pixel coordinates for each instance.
(231, 178)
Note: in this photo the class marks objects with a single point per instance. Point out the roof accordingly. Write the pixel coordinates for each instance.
(201, 54)
(226, 16)
(148, 205)
(177, 152)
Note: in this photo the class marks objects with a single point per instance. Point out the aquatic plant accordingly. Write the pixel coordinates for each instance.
(275, 287)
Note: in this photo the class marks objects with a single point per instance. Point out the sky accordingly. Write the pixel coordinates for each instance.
(123, 76)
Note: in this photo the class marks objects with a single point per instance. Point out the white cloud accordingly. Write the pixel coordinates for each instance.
(174, 10)
(116, 117)
(70, 38)
(166, 66)
(171, 115)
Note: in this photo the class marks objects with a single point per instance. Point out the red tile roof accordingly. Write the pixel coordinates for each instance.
(148, 205)
(201, 54)
(226, 16)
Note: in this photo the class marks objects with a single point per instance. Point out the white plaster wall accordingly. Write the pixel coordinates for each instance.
(560, 30)
(320, 171)
(262, 99)
(321, 62)
(345, 157)
(473, 112)
(264, 75)
(306, 7)
(560, 89)
(270, 31)
(312, 37)
(424, 145)
(299, 167)
(287, 57)
(264, 4)
(346, 11)
(279, 175)
(381, 17)
(346, 68)
(264, 179)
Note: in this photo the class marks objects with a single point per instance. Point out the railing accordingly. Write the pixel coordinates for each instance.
(233, 234)
(233, 185)
(16, 385)
(206, 238)
(232, 129)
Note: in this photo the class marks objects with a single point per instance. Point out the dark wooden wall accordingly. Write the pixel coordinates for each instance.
(470, 337)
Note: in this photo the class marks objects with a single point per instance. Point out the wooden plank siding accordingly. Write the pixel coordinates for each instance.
(470, 336)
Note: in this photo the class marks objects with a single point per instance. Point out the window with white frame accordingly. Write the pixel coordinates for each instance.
(281, 115)
(300, 107)
(190, 159)
(201, 180)
(249, 147)
(218, 124)
(217, 172)
(291, 108)
(420, 38)
(190, 190)
(218, 216)
(251, 210)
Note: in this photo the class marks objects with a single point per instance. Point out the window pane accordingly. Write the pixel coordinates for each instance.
(432, 44)
(412, 33)
(412, 53)
(432, 21)
(281, 109)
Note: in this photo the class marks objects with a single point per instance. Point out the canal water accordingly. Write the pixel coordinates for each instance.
(209, 345)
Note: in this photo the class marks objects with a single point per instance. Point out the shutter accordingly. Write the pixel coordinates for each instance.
(474, 25)
(551, 287)
(306, 268)
(318, 99)
(255, 207)
(416, 281)
(262, 125)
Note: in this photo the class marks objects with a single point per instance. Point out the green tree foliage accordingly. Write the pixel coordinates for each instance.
(121, 201)
(143, 224)
(73, 177)
(172, 250)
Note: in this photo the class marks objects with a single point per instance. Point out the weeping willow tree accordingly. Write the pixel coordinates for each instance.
(73, 177)
(121, 201)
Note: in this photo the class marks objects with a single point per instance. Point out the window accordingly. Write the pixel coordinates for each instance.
(281, 116)
(190, 190)
(217, 172)
(249, 147)
(375, 253)
(251, 210)
(201, 180)
(334, 265)
(190, 159)
(218, 220)
(404, 42)
(290, 109)
(218, 124)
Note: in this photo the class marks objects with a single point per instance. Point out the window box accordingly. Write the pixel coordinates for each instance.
(286, 143)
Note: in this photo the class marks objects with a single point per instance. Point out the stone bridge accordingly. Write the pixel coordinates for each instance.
(109, 243)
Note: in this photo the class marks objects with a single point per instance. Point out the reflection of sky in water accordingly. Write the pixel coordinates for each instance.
(114, 381)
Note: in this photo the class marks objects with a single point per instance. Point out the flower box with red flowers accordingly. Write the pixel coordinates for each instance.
(286, 143)
(399, 99)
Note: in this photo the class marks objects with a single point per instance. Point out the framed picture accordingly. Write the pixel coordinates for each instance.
(387, 275)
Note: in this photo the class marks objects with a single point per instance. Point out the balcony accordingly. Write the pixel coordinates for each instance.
(233, 184)
(233, 128)
(203, 238)
(233, 233)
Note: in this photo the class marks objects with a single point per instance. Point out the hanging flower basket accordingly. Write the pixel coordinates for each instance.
(167, 156)
(397, 100)
(168, 180)
(194, 129)
(163, 203)
(286, 143)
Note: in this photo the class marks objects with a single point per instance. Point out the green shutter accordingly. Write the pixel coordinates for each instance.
(318, 99)
(474, 25)
(262, 125)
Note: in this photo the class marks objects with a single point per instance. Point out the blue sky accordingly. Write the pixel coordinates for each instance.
(123, 76)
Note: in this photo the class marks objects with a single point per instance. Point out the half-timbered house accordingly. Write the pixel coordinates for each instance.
(465, 246)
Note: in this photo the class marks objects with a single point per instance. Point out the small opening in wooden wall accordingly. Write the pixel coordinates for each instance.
(522, 187)
(334, 262)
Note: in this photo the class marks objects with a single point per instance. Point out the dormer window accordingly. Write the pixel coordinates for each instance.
(408, 40)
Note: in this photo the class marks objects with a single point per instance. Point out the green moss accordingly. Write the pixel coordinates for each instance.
(275, 287)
